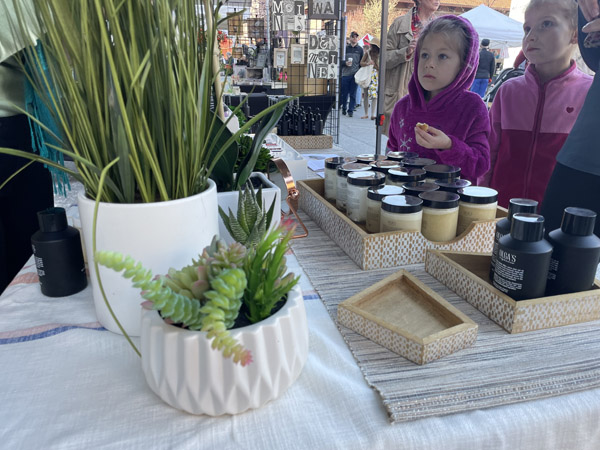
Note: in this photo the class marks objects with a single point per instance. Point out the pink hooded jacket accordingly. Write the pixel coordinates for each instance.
(530, 123)
(456, 111)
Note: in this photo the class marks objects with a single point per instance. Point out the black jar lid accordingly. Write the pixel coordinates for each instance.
(521, 205)
(442, 171)
(439, 199)
(399, 156)
(405, 175)
(404, 204)
(332, 163)
(417, 162)
(346, 168)
(369, 157)
(417, 187)
(578, 221)
(52, 220)
(453, 186)
(478, 194)
(366, 178)
(378, 192)
(385, 165)
(527, 227)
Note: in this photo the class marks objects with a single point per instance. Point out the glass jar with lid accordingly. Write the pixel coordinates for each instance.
(374, 197)
(356, 195)
(476, 203)
(342, 185)
(397, 177)
(401, 213)
(440, 215)
(453, 186)
(442, 172)
(331, 165)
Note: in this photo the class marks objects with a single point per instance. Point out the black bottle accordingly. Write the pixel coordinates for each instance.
(523, 258)
(576, 253)
(58, 255)
(515, 206)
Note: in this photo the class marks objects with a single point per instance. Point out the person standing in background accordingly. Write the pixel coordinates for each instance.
(31, 190)
(354, 54)
(485, 69)
(400, 46)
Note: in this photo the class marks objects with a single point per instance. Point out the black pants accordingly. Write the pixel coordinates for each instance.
(570, 187)
(20, 199)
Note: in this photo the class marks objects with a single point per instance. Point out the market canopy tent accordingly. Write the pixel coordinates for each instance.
(499, 29)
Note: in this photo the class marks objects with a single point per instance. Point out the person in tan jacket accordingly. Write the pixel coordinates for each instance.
(400, 45)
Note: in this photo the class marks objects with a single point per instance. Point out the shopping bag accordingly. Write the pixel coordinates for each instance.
(363, 76)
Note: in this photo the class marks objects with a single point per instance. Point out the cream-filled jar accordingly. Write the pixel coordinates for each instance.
(397, 177)
(442, 172)
(374, 197)
(399, 156)
(453, 186)
(331, 165)
(417, 163)
(401, 213)
(440, 215)
(418, 187)
(342, 185)
(385, 165)
(356, 195)
(476, 203)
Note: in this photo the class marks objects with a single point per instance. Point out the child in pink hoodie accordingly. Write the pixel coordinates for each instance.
(532, 115)
(446, 60)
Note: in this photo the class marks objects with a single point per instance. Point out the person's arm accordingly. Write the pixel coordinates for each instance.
(397, 48)
(365, 59)
(473, 154)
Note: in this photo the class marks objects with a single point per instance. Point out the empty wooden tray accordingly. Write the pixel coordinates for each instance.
(408, 318)
(467, 274)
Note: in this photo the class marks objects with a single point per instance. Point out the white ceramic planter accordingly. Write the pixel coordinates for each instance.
(229, 200)
(160, 235)
(183, 370)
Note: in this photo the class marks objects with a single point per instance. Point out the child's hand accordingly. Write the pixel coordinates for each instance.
(432, 138)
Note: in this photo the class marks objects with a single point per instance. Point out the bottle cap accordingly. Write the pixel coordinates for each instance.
(442, 171)
(332, 163)
(453, 186)
(366, 158)
(527, 227)
(404, 175)
(404, 204)
(417, 187)
(378, 192)
(417, 162)
(578, 221)
(440, 199)
(366, 178)
(385, 165)
(521, 205)
(346, 168)
(52, 220)
(399, 156)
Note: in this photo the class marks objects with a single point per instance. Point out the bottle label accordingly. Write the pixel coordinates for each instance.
(520, 274)
(39, 265)
(553, 269)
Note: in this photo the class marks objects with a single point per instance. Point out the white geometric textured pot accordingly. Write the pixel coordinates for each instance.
(160, 235)
(229, 200)
(184, 371)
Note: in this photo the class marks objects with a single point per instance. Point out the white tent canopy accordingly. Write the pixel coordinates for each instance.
(501, 30)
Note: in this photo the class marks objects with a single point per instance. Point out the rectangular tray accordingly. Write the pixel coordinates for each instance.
(392, 248)
(405, 316)
(467, 274)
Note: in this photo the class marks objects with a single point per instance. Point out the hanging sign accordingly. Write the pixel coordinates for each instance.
(288, 15)
(324, 9)
(323, 57)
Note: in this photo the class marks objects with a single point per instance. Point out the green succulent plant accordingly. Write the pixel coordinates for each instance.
(205, 295)
(251, 222)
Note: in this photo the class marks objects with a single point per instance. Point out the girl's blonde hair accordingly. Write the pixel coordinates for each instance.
(568, 7)
(455, 31)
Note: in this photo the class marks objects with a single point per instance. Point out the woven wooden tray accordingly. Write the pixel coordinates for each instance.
(405, 316)
(390, 249)
(467, 274)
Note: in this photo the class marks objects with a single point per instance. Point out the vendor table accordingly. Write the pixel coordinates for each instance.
(68, 383)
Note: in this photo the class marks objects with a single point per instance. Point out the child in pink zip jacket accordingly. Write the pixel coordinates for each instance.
(532, 115)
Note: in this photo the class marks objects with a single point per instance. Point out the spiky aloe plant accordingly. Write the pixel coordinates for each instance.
(251, 222)
(205, 295)
(266, 274)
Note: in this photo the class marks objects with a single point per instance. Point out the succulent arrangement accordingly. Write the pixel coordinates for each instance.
(208, 294)
(251, 222)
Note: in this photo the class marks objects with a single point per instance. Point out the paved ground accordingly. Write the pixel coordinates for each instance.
(358, 135)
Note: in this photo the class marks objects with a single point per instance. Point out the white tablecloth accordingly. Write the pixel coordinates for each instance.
(66, 383)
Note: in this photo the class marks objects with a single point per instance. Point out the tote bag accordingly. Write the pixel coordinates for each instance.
(363, 76)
